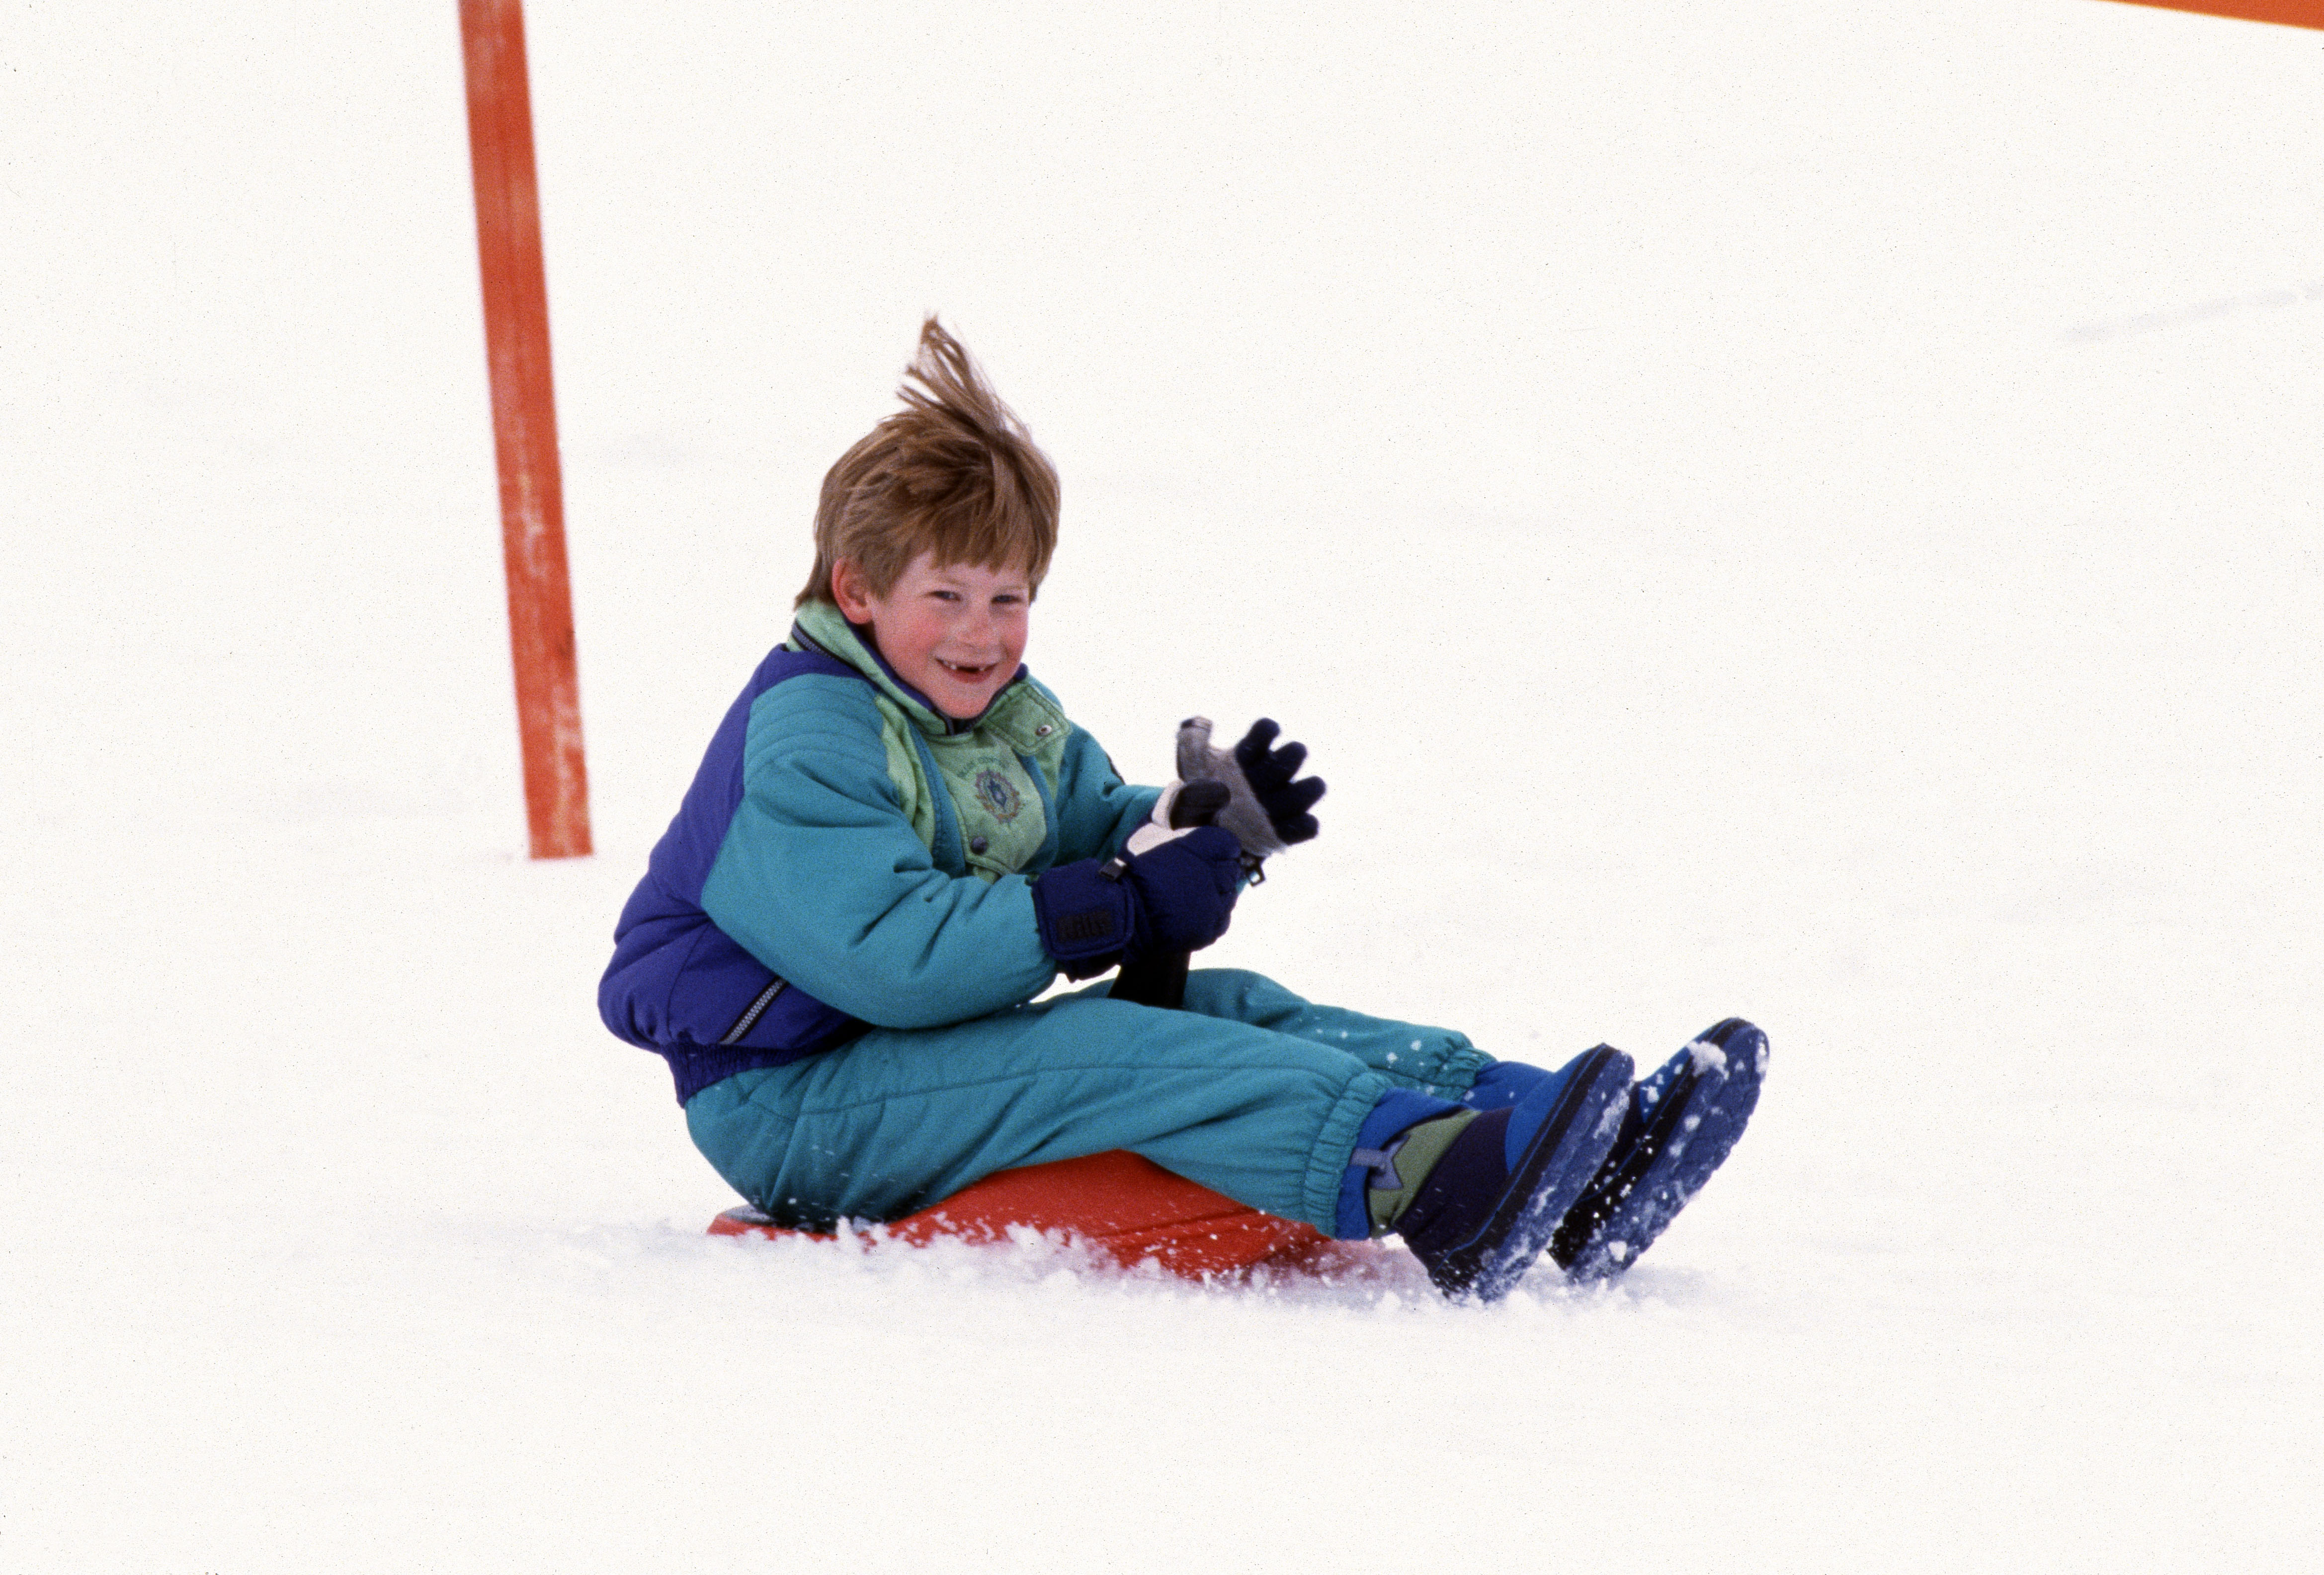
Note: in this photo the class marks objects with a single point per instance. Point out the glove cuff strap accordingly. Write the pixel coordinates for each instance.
(1084, 915)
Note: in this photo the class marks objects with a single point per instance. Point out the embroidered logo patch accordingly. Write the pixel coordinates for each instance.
(997, 796)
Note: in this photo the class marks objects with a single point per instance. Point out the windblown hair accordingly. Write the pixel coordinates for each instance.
(953, 474)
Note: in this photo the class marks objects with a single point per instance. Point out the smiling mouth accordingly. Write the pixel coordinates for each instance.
(960, 670)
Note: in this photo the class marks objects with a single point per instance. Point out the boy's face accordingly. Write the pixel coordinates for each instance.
(956, 631)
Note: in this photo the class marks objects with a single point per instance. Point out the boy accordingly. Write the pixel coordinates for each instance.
(897, 839)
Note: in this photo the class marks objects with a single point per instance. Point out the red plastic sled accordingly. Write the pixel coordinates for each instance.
(1129, 1208)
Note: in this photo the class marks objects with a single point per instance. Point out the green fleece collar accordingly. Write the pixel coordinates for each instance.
(1022, 715)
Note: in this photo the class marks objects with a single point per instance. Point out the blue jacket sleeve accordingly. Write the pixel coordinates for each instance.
(822, 878)
(1096, 810)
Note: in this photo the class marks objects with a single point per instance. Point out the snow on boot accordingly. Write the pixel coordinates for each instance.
(1491, 1204)
(1679, 1124)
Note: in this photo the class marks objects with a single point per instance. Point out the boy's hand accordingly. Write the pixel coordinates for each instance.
(1186, 890)
(1175, 897)
(1266, 807)
(1270, 773)
(1183, 806)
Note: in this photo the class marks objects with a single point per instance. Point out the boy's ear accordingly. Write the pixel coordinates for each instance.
(852, 591)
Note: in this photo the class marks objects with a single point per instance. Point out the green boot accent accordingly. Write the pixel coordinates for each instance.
(1409, 1159)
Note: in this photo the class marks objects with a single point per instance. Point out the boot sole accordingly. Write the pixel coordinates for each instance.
(1628, 1205)
(1565, 1152)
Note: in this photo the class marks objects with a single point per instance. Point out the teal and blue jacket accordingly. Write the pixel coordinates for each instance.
(848, 856)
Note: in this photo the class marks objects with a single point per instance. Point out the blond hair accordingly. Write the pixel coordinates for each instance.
(953, 474)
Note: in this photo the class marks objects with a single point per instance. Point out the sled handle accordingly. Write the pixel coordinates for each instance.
(1159, 979)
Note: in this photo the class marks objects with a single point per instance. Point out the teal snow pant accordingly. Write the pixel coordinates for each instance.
(1248, 1090)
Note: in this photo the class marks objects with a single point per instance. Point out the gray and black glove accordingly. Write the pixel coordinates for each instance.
(1267, 809)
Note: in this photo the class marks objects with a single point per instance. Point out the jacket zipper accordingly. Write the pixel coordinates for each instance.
(743, 1023)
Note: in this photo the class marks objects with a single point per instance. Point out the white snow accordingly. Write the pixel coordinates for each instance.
(1802, 510)
(1708, 1057)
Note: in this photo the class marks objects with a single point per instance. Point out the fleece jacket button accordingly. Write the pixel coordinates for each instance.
(977, 845)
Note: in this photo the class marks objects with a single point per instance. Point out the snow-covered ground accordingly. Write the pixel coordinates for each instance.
(1803, 509)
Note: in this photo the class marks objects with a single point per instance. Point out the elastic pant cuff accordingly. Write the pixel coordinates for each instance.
(1327, 1162)
(1393, 1110)
(1454, 1070)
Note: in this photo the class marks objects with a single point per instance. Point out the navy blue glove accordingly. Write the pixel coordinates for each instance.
(1270, 773)
(1186, 890)
(1176, 897)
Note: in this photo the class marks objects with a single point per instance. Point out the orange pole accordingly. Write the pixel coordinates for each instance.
(2289, 13)
(524, 428)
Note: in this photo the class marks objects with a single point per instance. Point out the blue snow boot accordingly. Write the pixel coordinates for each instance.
(1502, 1084)
(1679, 1124)
(1492, 1203)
